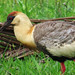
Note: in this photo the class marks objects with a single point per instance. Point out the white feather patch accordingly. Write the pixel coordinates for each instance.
(67, 50)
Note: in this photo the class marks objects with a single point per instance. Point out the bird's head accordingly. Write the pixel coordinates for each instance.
(13, 19)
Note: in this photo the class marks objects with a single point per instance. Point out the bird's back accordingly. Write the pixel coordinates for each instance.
(56, 38)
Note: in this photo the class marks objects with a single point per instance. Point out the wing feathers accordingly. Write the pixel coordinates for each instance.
(57, 37)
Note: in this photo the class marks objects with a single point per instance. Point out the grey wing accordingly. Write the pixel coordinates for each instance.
(54, 34)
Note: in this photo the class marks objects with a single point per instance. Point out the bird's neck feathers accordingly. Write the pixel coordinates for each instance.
(24, 31)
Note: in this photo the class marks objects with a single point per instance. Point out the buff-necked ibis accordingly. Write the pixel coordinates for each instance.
(55, 38)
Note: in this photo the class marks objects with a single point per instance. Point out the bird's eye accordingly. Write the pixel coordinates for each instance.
(10, 17)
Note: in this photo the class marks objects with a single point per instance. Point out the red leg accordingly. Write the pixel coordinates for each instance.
(63, 67)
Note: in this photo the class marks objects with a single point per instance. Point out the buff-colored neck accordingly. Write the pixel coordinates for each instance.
(24, 31)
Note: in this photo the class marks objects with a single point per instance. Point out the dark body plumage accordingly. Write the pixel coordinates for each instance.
(54, 34)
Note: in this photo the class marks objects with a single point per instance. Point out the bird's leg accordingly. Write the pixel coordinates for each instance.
(63, 67)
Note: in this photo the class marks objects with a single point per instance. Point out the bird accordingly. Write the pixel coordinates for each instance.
(54, 38)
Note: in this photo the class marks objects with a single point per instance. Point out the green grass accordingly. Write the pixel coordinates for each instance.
(31, 66)
(36, 9)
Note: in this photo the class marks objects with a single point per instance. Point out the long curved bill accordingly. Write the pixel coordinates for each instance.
(5, 25)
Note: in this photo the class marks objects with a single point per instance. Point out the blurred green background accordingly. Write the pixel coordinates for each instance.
(38, 9)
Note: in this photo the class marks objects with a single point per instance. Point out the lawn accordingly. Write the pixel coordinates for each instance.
(36, 9)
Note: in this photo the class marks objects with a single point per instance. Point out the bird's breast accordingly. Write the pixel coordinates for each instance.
(25, 36)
